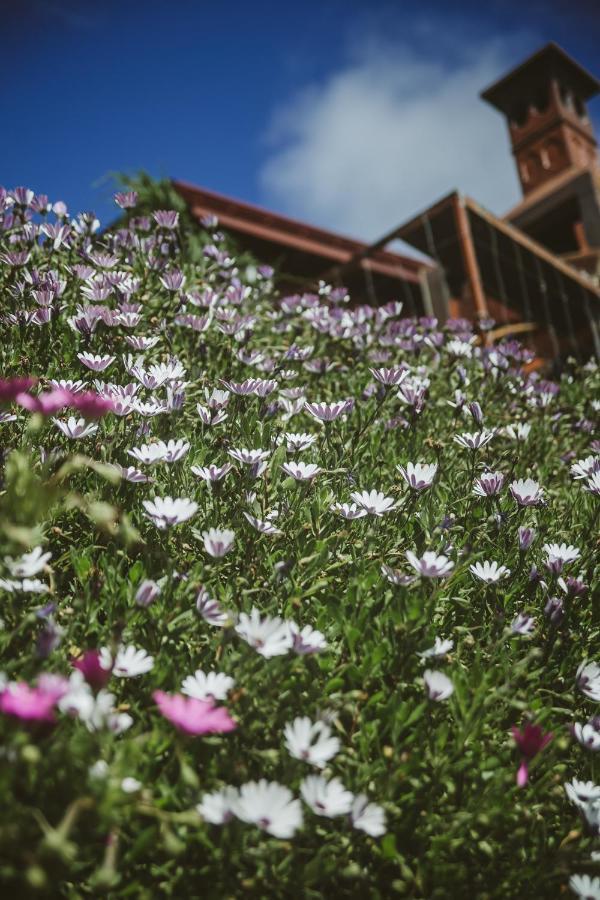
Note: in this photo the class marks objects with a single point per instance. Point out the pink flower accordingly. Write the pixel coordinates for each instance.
(10, 388)
(47, 403)
(193, 716)
(90, 666)
(33, 704)
(530, 741)
(91, 405)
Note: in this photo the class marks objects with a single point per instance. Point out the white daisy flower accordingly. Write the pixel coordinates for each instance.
(348, 510)
(587, 735)
(28, 564)
(249, 457)
(326, 798)
(212, 473)
(418, 476)
(130, 785)
(269, 636)
(129, 661)
(94, 362)
(562, 553)
(474, 440)
(262, 525)
(438, 685)
(311, 742)
(518, 432)
(582, 792)
(440, 648)
(207, 685)
(270, 806)
(306, 640)
(585, 468)
(218, 541)
(301, 471)
(368, 817)
(375, 503)
(211, 610)
(75, 429)
(430, 565)
(522, 624)
(585, 886)
(166, 511)
(527, 492)
(295, 442)
(218, 806)
(328, 412)
(489, 572)
(588, 680)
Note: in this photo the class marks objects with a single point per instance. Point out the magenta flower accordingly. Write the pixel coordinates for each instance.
(95, 673)
(33, 704)
(91, 405)
(10, 388)
(194, 716)
(47, 403)
(530, 741)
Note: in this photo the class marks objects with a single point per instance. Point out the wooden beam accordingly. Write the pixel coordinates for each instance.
(469, 257)
(516, 328)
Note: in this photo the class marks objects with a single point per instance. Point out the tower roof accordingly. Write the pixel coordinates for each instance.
(550, 61)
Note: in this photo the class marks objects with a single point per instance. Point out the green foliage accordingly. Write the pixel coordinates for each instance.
(457, 824)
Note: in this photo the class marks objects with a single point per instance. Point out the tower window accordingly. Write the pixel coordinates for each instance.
(566, 96)
(534, 166)
(580, 109)
(555, 153)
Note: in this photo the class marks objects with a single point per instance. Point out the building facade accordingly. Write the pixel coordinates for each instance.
(534, 271)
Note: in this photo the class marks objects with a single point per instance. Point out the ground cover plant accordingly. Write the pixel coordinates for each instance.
(297, 598)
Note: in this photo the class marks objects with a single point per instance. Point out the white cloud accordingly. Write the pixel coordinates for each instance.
(389, 134)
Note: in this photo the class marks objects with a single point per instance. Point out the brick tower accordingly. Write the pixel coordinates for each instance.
(544, 100)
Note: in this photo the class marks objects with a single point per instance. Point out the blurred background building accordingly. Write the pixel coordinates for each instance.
(534, 271)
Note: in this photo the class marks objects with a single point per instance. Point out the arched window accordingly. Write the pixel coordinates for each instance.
(580, 109)
(534, 166)
(567, 98)
(555, 153)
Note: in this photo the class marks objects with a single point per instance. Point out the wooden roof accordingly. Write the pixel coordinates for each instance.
(287, 233)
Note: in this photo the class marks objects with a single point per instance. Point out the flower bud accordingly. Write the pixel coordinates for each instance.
(90, 666)
(476, 411)
(554, 610)
(526, 538)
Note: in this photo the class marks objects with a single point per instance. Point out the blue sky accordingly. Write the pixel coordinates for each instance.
(341, 112)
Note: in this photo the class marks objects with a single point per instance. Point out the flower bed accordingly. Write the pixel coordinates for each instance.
(297, 597)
